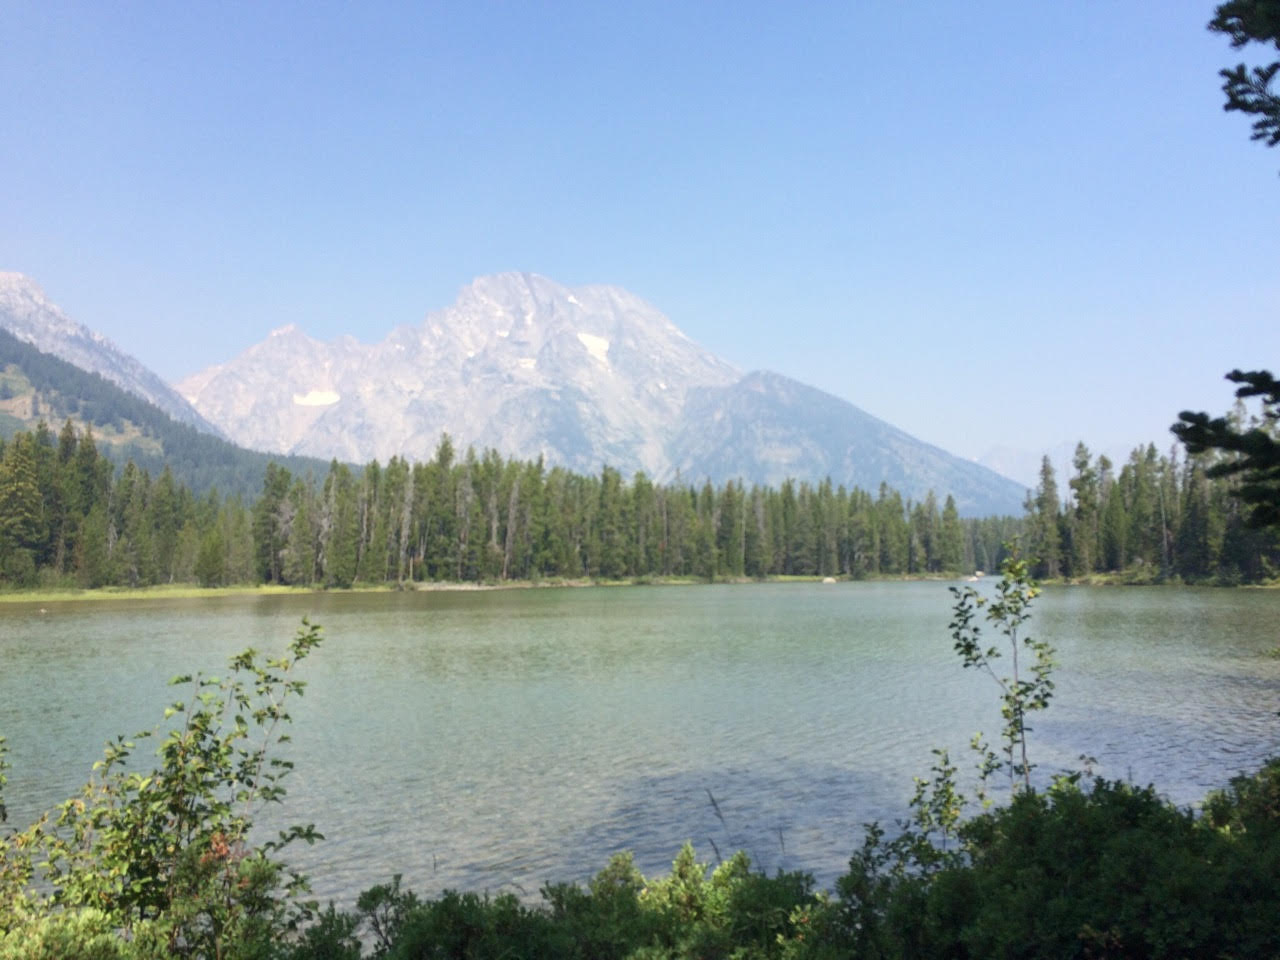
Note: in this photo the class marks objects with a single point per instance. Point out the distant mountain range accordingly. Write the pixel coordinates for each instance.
(37, 386)
(581, 377)
(769, 427)
(29, 316)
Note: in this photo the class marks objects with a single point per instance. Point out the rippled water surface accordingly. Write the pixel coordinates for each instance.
(497, 740)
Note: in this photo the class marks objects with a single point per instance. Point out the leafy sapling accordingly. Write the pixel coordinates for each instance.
(1028, 687)
(167, 857)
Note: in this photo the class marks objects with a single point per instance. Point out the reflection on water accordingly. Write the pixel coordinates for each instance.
(504, 739)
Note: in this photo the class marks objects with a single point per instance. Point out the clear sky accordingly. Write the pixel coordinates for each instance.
(1005, 223)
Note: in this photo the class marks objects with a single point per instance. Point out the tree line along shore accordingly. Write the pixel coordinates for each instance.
(69, 520)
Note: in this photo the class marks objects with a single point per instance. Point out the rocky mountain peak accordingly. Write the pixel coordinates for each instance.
(518, 362)
(30, 316)
(579, 376)
(16, 287)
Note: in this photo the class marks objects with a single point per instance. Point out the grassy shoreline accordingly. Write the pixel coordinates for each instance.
(191, 591)
(186, 591)
(1136, 579)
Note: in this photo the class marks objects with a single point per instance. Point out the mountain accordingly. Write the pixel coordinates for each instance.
(37, 386)
(26, 313)
(767, 427)
(580, 376)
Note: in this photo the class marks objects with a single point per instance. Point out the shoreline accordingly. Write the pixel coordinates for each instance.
(191, 591)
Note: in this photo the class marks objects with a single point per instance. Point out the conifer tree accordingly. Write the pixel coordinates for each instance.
(608, 551)
(23, 525)
(1045, 537)
(93, 563)
(343, 528)
(270, 523)
(1084, 514)
(1115, 530)
(1248, 90)
(951, 549)
(1252, 452)
(894, 536)
(300, 554)
(211, 562)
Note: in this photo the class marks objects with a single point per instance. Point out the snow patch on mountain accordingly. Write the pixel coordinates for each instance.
(316, 398)
(598, 347)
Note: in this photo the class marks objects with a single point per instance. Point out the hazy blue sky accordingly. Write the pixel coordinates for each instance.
(999, 223)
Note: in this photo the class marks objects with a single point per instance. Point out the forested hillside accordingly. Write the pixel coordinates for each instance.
(67, 519)
(37, 386)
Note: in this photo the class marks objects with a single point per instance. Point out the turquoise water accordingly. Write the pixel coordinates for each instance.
(501, 739)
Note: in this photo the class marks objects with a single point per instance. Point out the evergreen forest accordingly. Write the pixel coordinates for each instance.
(69, 518)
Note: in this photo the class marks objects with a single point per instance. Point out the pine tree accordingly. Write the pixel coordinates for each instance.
(1043, 510)
(340, 547)
(300, 554)
(270, 523)
(1248, 91)
(164, 519)
(1085, 518)
(23, 526)
(1115, 528)
(1196, 551)
(94, 566)
(211, 563)
(755, 555)
(894, 536)
(608, 550)
(951, 548)
(238, 535)
(1253, 451)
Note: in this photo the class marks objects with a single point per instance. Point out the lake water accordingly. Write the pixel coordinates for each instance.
(499, 739)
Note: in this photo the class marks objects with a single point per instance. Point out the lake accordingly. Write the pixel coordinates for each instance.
(499, 739)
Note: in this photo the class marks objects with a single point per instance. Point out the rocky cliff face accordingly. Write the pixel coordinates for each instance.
(28, 315)
(579, 376)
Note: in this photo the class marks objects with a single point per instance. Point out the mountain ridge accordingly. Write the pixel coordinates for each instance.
(515, 356)
(28, 314)
(808, 434)
(581, 376)
(37, 386)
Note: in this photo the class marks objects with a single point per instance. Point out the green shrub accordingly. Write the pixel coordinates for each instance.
(468, 926)
(1111, 871)
(162, 861)
(82, 934)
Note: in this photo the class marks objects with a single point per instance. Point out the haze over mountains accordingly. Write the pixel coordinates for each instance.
(581, 376)
(31, 317)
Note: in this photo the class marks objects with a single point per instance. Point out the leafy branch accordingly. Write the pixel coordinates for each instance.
(1023, 690)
